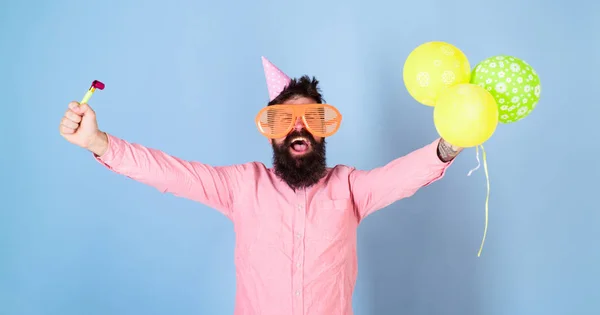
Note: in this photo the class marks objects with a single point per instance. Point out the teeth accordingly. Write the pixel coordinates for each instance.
(300, 139)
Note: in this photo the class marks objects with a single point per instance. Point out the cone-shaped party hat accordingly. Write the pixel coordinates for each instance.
(276, 79)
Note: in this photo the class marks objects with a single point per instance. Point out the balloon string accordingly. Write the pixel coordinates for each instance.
(478, 163)
(486, 199)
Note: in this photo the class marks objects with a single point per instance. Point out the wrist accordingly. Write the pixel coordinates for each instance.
(447, 151)
(450, 145)
(99, 143)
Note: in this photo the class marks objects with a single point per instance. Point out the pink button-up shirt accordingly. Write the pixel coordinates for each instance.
(295, 251)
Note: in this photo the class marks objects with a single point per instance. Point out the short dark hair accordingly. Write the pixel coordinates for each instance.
(300, 87)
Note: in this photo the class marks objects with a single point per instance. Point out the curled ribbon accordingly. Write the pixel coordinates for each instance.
(487, 199)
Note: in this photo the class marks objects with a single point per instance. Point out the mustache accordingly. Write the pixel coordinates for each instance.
(299, 133)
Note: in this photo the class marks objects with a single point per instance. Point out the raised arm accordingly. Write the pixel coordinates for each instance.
(401, 178)
(215, 187)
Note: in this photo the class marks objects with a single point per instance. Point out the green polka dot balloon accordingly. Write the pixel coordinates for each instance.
(512, 82)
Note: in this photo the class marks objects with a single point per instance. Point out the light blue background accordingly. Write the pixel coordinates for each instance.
(186, 77)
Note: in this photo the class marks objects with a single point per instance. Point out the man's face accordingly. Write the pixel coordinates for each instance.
(299, 158)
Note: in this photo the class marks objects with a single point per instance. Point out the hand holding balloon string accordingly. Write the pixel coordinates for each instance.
(469, 104)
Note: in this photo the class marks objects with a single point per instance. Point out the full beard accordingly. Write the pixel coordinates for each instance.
(302, 171)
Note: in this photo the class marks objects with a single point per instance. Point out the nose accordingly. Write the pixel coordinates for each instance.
(299, 125)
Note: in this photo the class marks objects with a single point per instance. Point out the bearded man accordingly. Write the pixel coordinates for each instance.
(296, 222)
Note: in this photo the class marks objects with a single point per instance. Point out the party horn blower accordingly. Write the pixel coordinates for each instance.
(95, 85)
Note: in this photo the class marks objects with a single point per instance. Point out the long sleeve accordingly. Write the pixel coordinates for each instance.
(401, 178)
(209, 185)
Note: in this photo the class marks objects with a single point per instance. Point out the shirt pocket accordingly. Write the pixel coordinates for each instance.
(334, 218)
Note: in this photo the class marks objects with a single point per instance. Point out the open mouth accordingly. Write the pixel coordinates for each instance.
(300, 145)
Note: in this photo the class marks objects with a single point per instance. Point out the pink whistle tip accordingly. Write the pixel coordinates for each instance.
(97, 84)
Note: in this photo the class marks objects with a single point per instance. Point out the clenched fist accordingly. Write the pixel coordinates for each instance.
(79, 126)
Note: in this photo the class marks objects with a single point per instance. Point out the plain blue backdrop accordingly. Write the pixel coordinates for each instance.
(186, 77)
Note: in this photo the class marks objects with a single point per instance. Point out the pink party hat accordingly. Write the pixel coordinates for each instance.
(276, 79)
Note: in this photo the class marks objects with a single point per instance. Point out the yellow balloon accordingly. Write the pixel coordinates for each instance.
(465, 115)
(432, 67)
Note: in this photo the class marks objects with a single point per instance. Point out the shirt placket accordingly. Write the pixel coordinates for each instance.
(298, 253)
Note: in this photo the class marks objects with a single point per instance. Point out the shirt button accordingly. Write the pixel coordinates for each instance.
(298, 265)
(300, 207)
(298, 235)
(297, 293)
